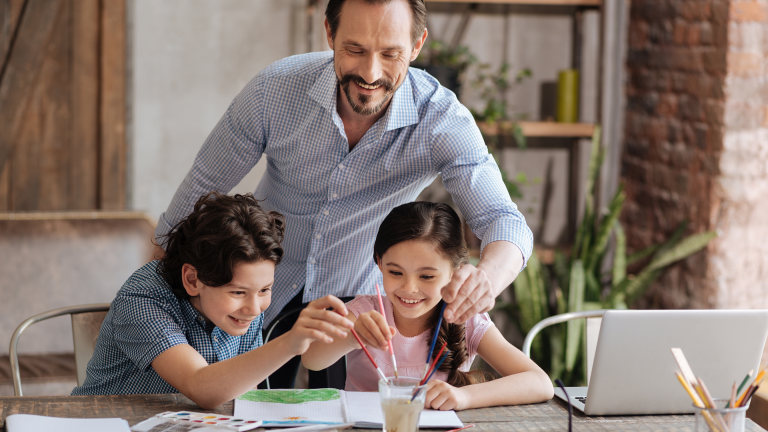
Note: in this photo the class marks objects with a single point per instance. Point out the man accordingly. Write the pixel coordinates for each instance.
(348, 136)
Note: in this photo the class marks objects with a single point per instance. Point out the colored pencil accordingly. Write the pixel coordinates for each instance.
(687, 387)
(741, 386)
(434, 337)
(749, 396)
(378, 369)
(710, 402)
(434, 362)
(389, 342)
(732, 401)
(462, 428)
(434, 369)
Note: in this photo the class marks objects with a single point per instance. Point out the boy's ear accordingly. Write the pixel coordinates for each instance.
(190, 281)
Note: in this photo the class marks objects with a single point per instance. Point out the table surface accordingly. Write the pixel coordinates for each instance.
(549, 416)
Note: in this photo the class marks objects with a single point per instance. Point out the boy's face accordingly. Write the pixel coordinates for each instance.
(414, 273)
(232, 307)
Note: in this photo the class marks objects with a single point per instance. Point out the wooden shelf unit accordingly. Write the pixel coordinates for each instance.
(540, 129)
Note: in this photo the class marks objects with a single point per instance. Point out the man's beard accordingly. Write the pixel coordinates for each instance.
(360, 106)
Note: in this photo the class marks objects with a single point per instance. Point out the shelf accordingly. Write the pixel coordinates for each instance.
(527, 2)
(541, 129)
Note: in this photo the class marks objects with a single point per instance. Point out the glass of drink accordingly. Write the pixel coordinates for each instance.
(402, 400)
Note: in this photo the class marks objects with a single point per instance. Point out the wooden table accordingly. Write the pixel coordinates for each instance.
(549, 416)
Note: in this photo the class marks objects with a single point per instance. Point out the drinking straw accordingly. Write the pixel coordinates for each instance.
(389, 342)
(434, 338)
(434, 362)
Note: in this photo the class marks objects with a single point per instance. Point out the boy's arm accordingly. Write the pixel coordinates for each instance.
(320, 356)
(211, 385)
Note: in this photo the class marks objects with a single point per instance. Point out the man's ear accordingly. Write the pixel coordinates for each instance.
(190, 280)
(328, 34)
(419, 45)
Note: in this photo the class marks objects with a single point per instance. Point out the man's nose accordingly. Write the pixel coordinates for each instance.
(371, 69)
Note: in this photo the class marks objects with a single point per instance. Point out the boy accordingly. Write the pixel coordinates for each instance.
(191, 322)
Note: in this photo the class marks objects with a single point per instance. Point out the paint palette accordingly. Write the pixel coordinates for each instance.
(187, 420)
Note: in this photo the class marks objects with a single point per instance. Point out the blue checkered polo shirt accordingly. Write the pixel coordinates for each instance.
(145, 319)
(334, 199)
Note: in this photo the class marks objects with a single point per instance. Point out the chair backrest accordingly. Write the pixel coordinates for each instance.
(594, 320)
(86, 321)
(85, 330)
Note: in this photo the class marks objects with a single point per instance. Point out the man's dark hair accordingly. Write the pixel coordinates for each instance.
(418, 16)
(221, 232)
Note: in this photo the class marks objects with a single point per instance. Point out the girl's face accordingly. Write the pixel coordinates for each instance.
(232, 307)
(414, 273)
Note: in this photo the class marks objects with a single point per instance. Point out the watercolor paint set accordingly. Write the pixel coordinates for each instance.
(199, 422)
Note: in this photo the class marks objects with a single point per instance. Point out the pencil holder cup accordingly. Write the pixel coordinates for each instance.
(721, 419)
(402, 400)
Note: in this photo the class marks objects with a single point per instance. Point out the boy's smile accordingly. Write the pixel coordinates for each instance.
(414, 273)
(232, 307)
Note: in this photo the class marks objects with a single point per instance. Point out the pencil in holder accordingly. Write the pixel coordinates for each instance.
(720, 419)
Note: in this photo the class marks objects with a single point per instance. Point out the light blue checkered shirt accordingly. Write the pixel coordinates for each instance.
(145, 319)
(334, 199)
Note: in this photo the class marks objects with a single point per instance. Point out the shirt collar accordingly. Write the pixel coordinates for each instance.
(400, 113)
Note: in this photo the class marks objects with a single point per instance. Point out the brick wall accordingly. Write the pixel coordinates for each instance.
(677, 69)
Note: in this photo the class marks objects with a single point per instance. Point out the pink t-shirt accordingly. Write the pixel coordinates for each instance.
(410, 352)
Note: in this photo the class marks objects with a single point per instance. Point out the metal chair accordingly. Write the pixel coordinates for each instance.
(86, 322)
(593, 317)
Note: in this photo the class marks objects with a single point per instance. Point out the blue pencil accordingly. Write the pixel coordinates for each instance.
(434, 336)
(437, 366)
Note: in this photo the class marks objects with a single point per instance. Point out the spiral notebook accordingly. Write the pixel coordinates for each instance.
(326, 406)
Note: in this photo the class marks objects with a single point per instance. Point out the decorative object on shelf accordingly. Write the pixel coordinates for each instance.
(578, 282)
(493, 88)
(568, 96)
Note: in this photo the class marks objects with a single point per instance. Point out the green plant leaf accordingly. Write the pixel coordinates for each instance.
(687, 247)
(538, 298)
(575, 303)
(619, 256)
(637, 286)
(522, 288)
(560, 266)
(604, 230)
(639, 255)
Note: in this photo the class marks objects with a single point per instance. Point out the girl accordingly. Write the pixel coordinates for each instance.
(417, 248)
(191, 322)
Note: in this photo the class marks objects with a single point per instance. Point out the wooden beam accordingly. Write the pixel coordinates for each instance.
(84, 149)
(112, 163)
(23, 66)
(10, 12)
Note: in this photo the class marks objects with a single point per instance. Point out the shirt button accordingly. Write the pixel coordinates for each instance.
(318, 236)
(334, 195)
(295, 286)
(311, 261)
(341, 166)
(215, 338)
(326, 212)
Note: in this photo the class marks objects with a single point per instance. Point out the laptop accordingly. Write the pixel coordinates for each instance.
(633, 370)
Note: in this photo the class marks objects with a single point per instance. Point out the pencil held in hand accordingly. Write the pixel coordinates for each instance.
(391, 350)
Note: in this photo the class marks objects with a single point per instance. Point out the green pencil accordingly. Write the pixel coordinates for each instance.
(741, 386)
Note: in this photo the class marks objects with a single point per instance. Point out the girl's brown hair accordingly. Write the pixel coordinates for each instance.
(221, 232)
(440, 225)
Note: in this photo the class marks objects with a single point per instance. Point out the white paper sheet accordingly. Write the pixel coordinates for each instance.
(35, 423)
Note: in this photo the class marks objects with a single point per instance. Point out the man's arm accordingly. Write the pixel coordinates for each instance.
(474, 181)
(473, 290)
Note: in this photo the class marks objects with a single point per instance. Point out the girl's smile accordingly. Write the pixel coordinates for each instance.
(414, 273)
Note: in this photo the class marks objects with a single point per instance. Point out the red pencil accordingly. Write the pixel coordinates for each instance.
(370, 357)
(434, 362)
(391, 350)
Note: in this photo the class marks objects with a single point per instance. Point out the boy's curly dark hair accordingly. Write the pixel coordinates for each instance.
(221, 232)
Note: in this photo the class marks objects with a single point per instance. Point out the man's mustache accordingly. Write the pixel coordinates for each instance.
(348, 78)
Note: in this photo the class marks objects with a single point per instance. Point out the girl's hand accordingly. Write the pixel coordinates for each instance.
(315, 322)
(443, 396)
(373, 330)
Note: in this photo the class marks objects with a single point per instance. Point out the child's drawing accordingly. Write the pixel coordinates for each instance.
(291, 396)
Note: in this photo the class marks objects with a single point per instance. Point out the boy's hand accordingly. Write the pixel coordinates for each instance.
(315, 322)
(373, 330)
(443, 396)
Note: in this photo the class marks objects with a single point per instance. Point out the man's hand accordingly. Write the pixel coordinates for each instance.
(468, 293)
(473, 290)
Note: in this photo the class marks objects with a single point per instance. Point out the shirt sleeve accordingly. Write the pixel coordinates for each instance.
(473, 179)
(228, 154)
(361, 304)
(476, 328)
(144, 327)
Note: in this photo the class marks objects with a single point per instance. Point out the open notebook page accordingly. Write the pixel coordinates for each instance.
(36, 423)
(291, 407)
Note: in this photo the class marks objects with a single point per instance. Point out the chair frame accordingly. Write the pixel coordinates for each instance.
(70, 310)
(556, 319)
